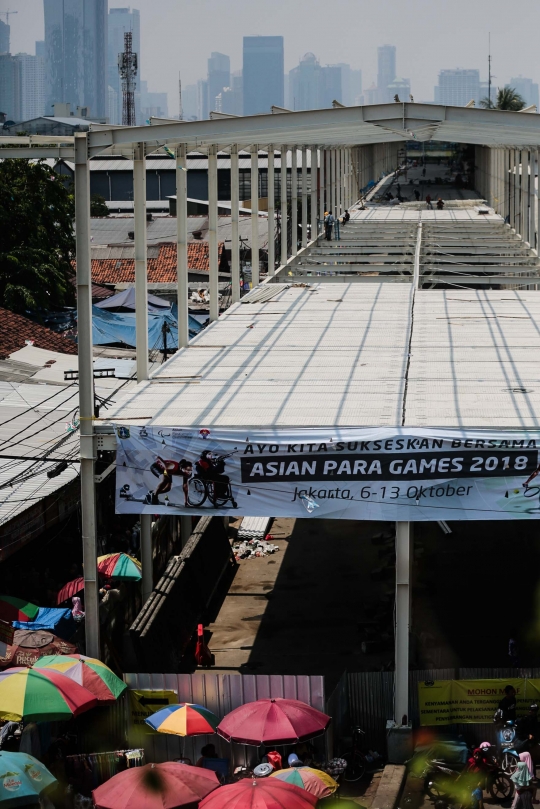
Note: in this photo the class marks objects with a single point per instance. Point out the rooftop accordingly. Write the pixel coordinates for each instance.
(117, 266)
(17, 331)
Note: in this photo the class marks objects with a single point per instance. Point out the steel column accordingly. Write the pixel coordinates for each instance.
(213, 256)
(314, 177)
(181, 247)
(271, 212)
(328, 181)
(294, 201)
(255, 216)
(86, 394)
(304, 197)
(322, 189)
(334, 181)
(147, 557)
(403, 619)
(283, 194)
(235, 240)
(141, 279)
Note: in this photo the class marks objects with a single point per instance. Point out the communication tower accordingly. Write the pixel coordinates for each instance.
(127, 67)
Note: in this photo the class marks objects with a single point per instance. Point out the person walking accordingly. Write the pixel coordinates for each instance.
(429, 206)
(416, 194)
(328, 225)
(522, 782)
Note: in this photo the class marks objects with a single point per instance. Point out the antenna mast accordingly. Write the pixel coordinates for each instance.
(489, 69)
(180, 110)
(127, 67)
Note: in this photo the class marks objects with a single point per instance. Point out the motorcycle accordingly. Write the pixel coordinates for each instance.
(444, 783)
(507, 753)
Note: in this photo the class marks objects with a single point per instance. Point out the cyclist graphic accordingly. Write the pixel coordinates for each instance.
(165, 470)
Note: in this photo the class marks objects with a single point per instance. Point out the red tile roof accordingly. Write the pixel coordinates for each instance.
(160, 270)
(15, 330)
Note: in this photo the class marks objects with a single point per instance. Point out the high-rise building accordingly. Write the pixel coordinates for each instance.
(330, 85)
(4, 37)
(153, 104)
(76, 54)
(386, 71)
(237, 85)
(29, 91)
(219, 76)
(202, 99)
(355, 87)
(457, 87)
(7, 86)
(527, 89)
(40, 48)
(119, 21)
(263, 72)
(305, 84)
(400, 88)
(190, 107)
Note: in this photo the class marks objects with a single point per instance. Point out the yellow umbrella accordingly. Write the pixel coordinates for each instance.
(316, 782)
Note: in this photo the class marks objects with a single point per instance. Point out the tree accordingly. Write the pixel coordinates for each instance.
(37, 244)
(507, 99)
(98, 206)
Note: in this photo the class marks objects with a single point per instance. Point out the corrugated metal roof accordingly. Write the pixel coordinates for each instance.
(114, 231)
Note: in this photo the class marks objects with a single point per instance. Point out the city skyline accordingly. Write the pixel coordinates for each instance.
(192, 53)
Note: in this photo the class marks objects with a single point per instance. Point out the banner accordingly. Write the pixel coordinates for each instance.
(445, 702)
(357, 474)
(143, 704)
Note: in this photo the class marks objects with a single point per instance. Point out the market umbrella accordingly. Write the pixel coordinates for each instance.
(41, 696)
(88, 672)
(156, 786)
(119, 566)
(17, 609)
(69, 590)
(316, 782)
(259, 793)
(186, 719)
(273, 721)
(31, 644)
(22, 779)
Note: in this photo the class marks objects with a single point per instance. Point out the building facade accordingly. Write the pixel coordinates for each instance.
(457, 87)
(263, 73)
(76, 54)
(527, 89)
(119, 21)
(219, 77)
(4, 37)
(29, 91)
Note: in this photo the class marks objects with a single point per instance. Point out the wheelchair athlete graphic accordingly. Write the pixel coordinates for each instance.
(207, 482)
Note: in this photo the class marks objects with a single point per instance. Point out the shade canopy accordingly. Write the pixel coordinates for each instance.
(273, 721)
(22, 779)
(156, 786)
(70, 589)
(17, 609)
(126, 300)
(186, 719)
(259, 793)
(41, 696)
(119, 566)
(88, 672)
(59, 621)
(31, 644)
(316, 782)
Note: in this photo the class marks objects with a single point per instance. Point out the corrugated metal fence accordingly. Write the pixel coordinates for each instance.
(221, 693)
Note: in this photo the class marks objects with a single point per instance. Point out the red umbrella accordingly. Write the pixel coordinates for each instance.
(259, 793)
(31, 644)
(273, 721)
(156, 786)
(70, 589)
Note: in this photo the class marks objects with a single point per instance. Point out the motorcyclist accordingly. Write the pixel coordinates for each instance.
(508, 704)
(527, 731)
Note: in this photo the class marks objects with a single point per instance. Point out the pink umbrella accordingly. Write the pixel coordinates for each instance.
(259, 793)
(156, 786)
(273, 721)
(70, 589)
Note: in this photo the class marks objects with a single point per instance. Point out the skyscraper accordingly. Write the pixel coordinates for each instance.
(219, 76)
(305, 84)
(330, 85)
(4, 37)
(40, 47)
(7, 86)
(527, 89)
(386, 71)
(76, 53)
(263, 72)
(202, 99)
(457, 87)
(119, 21)
(29, 98)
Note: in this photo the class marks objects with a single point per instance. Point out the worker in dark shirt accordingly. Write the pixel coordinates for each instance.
(528, 731)
(508, 704)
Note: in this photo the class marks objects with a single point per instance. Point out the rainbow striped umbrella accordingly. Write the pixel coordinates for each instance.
(185, 719)
(41, 696)
(119, 566)
(316, 782)
(17, 609)
(88, 672)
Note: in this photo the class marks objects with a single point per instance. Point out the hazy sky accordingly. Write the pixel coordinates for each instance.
(429, 35)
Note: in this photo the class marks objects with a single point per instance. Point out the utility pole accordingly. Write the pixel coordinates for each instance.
(127, 67)
(180, 110)
(489, 69)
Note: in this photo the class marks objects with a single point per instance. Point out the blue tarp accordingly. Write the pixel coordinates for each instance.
(119, 327)
(58, 621)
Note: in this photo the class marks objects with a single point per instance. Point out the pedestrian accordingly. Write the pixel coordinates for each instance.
(440, 204)
(429, 206)
(507, 705)
(522, 782)
(416, 194)
(328, 225)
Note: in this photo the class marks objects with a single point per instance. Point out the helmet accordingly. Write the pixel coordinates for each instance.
(294, 761)
(262, 770)
(533, 707)
(485, 746)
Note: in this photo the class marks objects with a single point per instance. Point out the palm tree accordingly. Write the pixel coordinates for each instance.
(507, 99)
